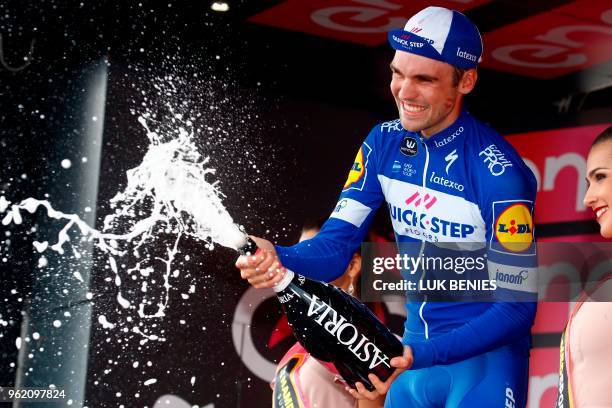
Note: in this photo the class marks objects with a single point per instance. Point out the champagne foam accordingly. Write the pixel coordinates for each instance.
(172, 192)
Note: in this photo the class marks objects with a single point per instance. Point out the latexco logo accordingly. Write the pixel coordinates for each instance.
(466, 55)
(448, 139)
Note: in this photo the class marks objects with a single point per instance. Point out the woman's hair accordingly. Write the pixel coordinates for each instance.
(604, 136)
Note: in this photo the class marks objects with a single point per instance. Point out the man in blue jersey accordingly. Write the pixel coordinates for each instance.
(447, 179)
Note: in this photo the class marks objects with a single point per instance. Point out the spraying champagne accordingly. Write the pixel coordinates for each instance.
(335, 327)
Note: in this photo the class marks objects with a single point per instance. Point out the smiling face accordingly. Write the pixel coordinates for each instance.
(427, 99)
(599, 180)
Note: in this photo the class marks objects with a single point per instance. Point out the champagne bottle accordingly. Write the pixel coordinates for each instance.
(335, 327)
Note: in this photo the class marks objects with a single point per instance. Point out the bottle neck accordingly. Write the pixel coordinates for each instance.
(247, 247)
(282, 285)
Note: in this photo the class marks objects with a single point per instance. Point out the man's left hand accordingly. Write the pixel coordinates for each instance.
(401, 364)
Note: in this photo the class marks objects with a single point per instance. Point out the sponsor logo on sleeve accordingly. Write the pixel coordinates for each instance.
(515, 279)
(358, 173)
(392, 126)
(513, 227)
(341, 204)
(496, 161)
(351, 211)
(409, 147)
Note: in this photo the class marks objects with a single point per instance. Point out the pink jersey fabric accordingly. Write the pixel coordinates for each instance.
(590, 351)
(316, 383)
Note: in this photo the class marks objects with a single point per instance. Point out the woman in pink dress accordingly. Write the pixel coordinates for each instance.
(586, 346)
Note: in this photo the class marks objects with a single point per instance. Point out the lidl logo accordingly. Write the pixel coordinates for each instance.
(357, 175)
(514, 228)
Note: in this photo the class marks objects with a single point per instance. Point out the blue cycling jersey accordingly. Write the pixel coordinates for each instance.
(463, 184)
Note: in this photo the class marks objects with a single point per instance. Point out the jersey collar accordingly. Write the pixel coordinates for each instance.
(451, 134)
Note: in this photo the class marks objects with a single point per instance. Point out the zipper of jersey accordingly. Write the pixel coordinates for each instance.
(425, 325)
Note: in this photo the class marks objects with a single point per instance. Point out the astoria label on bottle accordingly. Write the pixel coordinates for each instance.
(335, 327)
(346, 333)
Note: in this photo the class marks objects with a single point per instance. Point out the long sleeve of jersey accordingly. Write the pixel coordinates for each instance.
(501, 324)
(326, 256)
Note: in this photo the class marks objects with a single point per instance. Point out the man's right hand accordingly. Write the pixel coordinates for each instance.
(262, 270)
